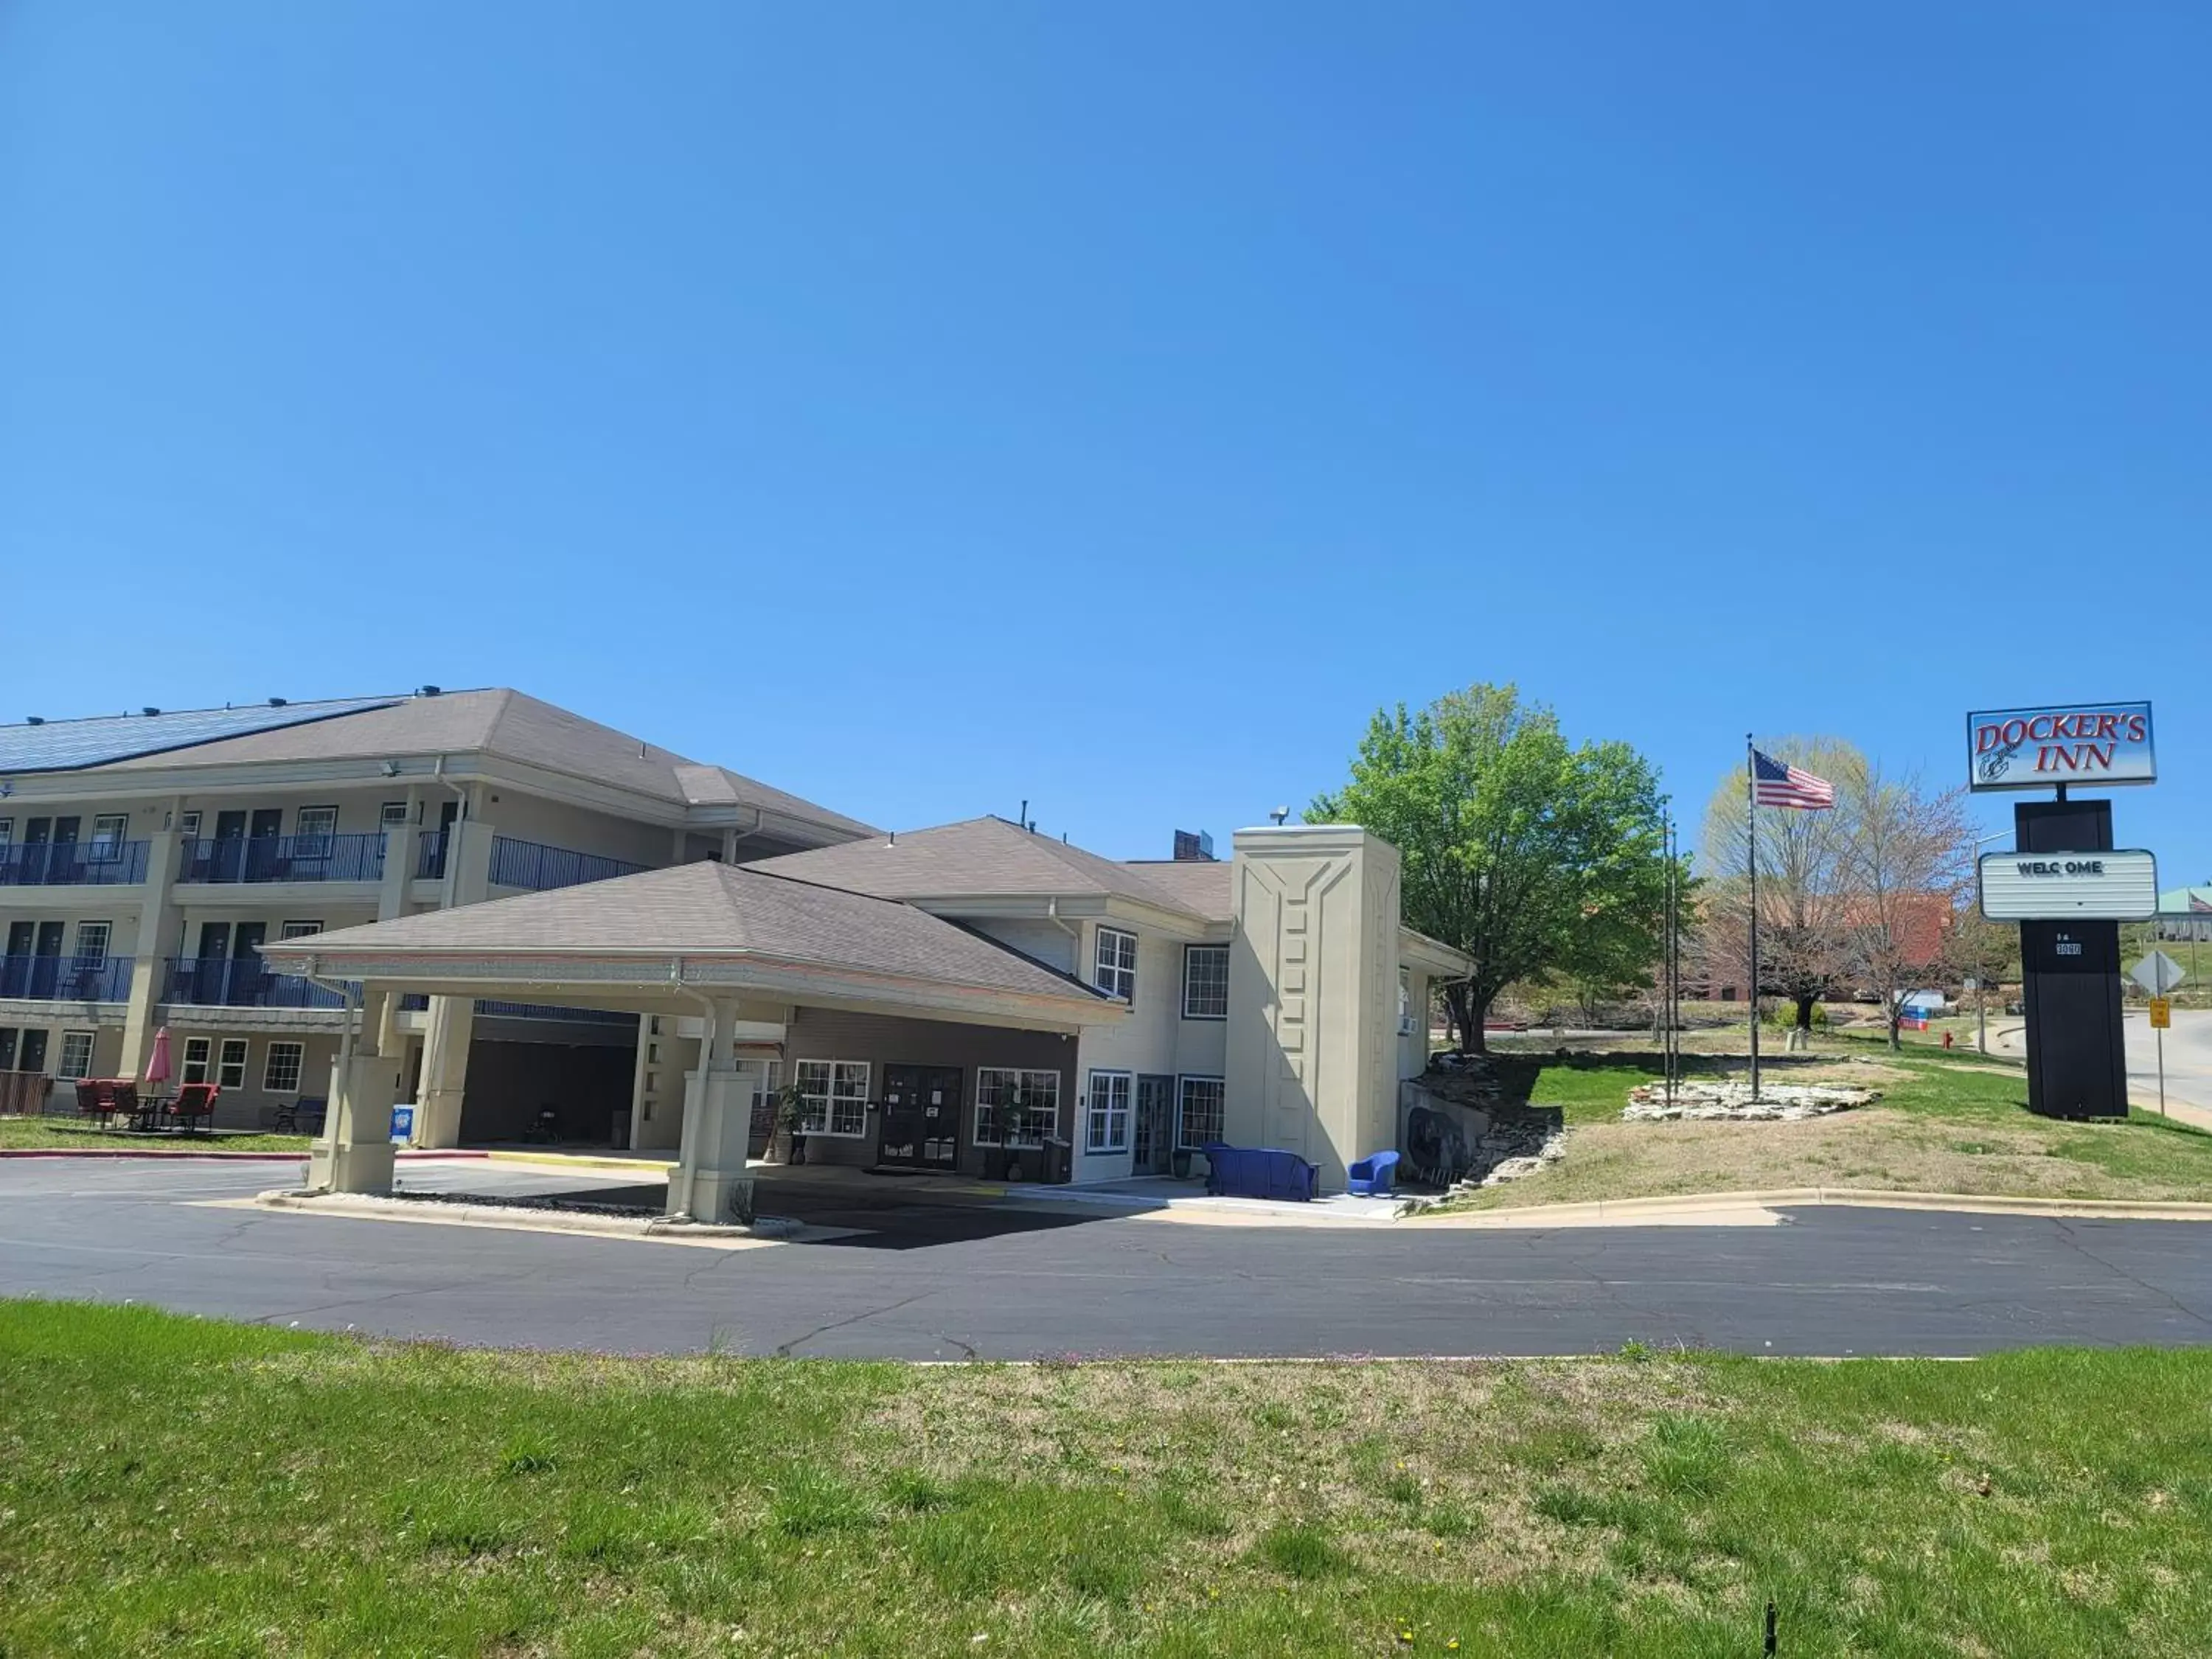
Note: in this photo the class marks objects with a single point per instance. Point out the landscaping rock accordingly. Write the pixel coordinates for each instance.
(1732, 1102)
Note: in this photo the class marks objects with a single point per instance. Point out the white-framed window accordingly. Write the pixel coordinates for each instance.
(6, 832)
(1205, 982)
(188, 825)
(999, 1088)
(1200, 1111)
(312, 838)
(280, 1070)
(230, 1065)
(109, 831)
(1106, 1120)
(1405, 1003)
(836, 1095)
(391, 814)
(196, 1051)
(92, 938)
(1114, 971)
(75, 1061)
(298, 929)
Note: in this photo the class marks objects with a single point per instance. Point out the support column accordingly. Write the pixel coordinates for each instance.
(445, 1070)
(157, 920)
(709, 1182)
(355, 1153)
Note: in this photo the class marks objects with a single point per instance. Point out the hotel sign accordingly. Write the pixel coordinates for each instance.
(2092, 743)
(2070, 886)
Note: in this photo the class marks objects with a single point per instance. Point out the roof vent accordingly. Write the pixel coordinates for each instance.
(276, 702)
(34, 720)
(426, 690)
(149, 710)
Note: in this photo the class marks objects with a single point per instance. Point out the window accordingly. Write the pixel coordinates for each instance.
(999, 1089)
(188, 825)
(1117, 972)
(1405, 1003)
(312, 838)
(6, 832)
(1199, 1115)
(109, 831)
(836, 1095)
(391, 814)
(230, 1070)
(298, 929)
(92, 938)
(77, 1055)
(1108, 1129)
(1205, 982)
(280, 1073)
(196, 1061)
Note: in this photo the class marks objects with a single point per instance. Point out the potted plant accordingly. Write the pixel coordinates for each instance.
(791, 1119)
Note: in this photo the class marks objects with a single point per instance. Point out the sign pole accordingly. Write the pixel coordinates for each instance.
(2161, 1071)
(1751, 830)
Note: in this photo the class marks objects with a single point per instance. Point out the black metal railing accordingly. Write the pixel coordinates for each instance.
(284, 858)
(73, 864)
(430, 854)
(548, 1011)
(66, 979)
(240, 983)
(530, 864)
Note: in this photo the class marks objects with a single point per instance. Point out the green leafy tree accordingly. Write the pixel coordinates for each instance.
(1542, 862)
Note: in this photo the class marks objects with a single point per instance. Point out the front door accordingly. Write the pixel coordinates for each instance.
(46, 960)
(262, 839)
(211, 970)
(245, 969)
(227, 858)
(922, 1117)
(15, 968)
(1154, 1133)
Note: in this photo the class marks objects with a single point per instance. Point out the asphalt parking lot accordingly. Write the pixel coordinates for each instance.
(946, 1281)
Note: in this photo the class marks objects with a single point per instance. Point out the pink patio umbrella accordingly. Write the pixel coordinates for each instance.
(157, 1063)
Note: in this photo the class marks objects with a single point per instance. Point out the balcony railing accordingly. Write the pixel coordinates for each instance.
(66, 979)
(417, 1002)
(284, 858)
(74, 864)
(240, 983)
(430, 855)
(528, 864)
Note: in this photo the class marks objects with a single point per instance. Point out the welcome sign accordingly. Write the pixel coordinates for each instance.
(2094, 743)
(2091, 886)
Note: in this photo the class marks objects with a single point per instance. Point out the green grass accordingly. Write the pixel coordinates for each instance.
(178, 1486)
(1953, 1123)
(46, 1133)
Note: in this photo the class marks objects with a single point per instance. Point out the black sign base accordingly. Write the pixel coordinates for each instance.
(2077, 1062)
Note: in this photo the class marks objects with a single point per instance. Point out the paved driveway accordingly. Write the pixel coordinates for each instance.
(1830, 1281)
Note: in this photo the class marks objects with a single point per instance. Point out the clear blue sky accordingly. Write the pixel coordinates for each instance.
(923, 407)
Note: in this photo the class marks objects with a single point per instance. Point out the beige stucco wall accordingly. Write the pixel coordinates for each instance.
(1312, 1046)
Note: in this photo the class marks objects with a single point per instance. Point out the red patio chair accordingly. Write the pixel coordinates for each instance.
(96, 1099)
(192, 1101)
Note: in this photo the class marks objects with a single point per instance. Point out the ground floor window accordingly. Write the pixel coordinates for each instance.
(197, 1050)
(230, 1068)
(1107, 1127)
(1198, 1112)
(75, 1059)
(280, 1072)
(836, 1095)
(1026, 1102)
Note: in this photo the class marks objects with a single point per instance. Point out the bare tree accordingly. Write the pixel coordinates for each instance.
(1805, 882)
(1910, 857)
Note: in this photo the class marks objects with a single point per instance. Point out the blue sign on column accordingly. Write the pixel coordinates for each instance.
(403, 1125)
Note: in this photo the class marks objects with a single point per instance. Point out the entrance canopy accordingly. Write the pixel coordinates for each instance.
(696, 931)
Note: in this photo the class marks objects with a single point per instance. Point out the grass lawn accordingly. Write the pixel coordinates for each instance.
(1952, 1125)
(178, 1486)
(40, 1132)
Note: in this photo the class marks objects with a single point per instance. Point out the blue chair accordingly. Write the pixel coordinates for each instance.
(1372, 1174)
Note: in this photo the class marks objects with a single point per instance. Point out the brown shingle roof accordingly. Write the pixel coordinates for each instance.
(708, 908)
(1199, 886)
(513, 726)
(978, 857)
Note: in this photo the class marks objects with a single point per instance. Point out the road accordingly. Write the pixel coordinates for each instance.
(2188, 1059)
(942, 1280)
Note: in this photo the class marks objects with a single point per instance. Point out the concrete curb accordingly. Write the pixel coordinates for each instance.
(660, 1230)
(98, 1154)
(1627, 1212)
(578, 1161)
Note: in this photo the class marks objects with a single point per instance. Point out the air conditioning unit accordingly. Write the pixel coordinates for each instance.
(1404, 1025)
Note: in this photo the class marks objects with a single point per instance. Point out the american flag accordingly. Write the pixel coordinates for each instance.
(1775, 784)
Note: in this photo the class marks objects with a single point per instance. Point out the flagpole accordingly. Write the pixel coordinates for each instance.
(1751, 832)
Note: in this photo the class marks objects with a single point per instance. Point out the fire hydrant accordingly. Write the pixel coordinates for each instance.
(1946, 1039)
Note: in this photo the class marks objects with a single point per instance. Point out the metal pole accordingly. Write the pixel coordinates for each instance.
(1667, 968)
(1751, 832)
(2162, 1070)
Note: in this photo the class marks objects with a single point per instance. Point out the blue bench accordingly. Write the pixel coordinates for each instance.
(1372, 1174)
(1258, 1172)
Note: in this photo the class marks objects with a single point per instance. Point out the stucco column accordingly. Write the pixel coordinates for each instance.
(355, 1153)
(445, 1070)
(468, 862)
(157, 921)
(717, 1124)
(400, 852)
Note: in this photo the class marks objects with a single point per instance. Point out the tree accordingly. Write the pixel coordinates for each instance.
(1912, 854)
(1805, 946)
(1539, 860)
